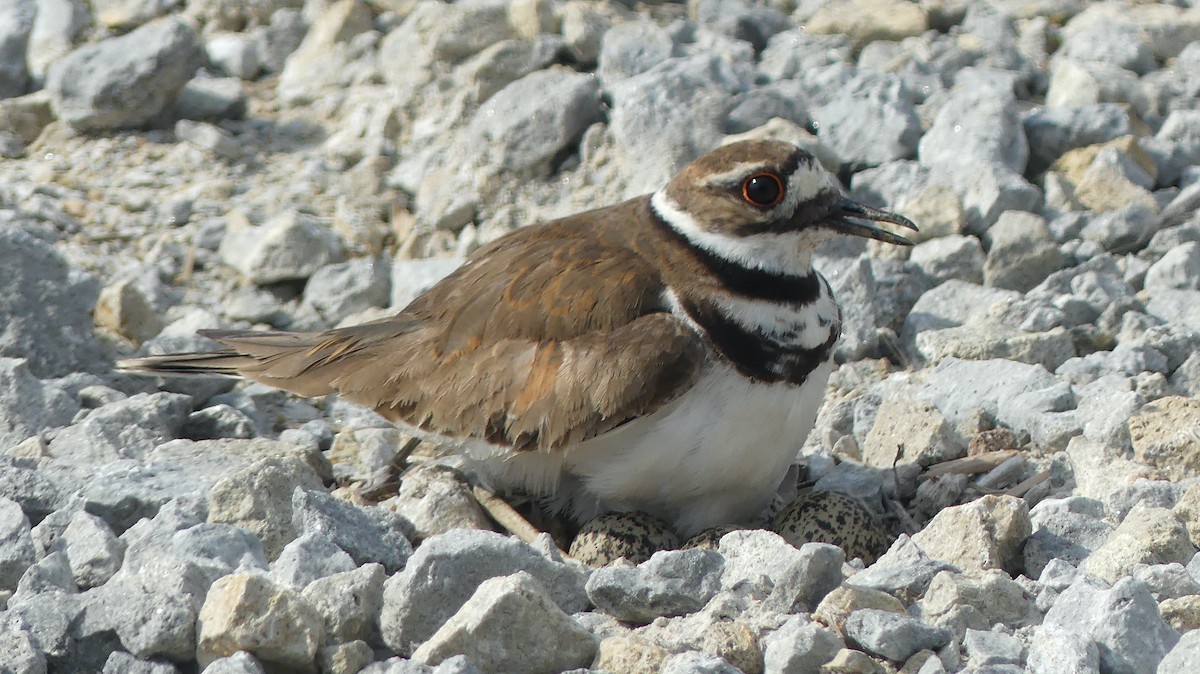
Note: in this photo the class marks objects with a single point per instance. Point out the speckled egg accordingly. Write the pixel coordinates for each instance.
(632, 535)
(835, 518)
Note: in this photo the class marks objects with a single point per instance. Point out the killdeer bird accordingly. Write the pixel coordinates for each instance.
(667, 354)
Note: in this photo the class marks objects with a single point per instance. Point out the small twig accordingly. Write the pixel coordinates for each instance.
(969, 465)
(1023, 488)
(507, 517)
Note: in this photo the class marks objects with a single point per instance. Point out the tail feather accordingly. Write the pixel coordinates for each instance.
(225, 363)
(302, 362)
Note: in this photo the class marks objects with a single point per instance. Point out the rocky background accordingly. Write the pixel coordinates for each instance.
(171, 165)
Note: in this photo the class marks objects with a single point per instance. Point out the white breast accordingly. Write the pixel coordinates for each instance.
(714, 456)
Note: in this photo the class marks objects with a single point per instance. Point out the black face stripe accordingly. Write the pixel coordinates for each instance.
(745, 282)
(752, 354)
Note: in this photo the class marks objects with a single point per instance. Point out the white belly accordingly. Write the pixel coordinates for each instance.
(714, 456)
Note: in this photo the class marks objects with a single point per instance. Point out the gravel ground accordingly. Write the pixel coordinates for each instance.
(1019, 394)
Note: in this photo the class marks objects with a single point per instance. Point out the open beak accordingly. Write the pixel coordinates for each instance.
(855, 219)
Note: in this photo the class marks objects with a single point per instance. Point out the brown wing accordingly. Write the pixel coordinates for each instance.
(539, 341)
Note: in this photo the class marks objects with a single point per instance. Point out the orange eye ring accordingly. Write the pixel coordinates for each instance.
(764, 190)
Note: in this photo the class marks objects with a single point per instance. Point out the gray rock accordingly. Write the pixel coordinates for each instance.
(49, 622)
(238, 663)
(1167, 581)
(330, 54)
(148, 624)
(16, 23)
(1177, 307)
(894, 636)
(217, 421)
(1053, 650)
(1126, 359)
(1054, 131)
(259, 499)
(46, 308)
(17, 552)
(211, 98)
(697, 662)
(1186, 378)
(435, 500)
(870, 121)
(950, 257)
(236, 54)
(1181, 133)
(338, 290)
(798, 578)
(308, 558)
(1020, 252)
(29, 406)
(19, 654)
(952, 304)
(127, 428)
(977, 124)
(349, 603)
(791, 53)
(1125, 229)
(282, 36)
(648, 121)
(124, 663)
(1019, 395)
(1122, 620)
(976, 600)
(186, 562)
(57, 24)
(1105, 406)
(631, 48)
(992, 648)
(853, 283)
(124, 81)
(776, 104)
(1183, 656)
(210, 138)
(445, 571)
(92, 550)
(740, 20)
(510, 623)
(904, 571)
(370, 534)
(670, 583)
(503, 63)
(988, 190)
(988, 533)
(1068, 530)
(1178, 269)
(994, 340)
(38, 492)
(289, 246)
(51, 573)
(527, 125)
(1120, 44)
(799, 646)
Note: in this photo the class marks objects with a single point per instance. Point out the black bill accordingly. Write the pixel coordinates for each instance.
(855, 219)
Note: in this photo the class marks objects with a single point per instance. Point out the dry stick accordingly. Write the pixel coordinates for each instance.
(969, 464)
(507, 517)
(1024, 487)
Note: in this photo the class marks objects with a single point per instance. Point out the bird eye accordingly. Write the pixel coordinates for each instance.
(763, 189)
